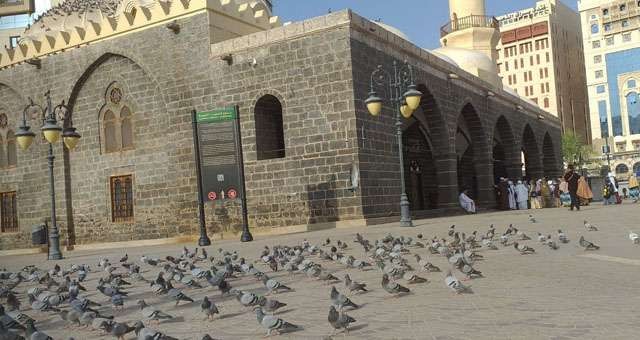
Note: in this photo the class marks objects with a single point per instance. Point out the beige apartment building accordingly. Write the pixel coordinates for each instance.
(540, 57)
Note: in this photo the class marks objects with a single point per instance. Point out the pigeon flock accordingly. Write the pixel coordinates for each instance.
(91, 296)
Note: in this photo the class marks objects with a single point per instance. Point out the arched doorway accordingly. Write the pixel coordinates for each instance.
(636, 168)
(505, 152)
(473, 156)
(531, 155)
(420, 169)
(551, 168)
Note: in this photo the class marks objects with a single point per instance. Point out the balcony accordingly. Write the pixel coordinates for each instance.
(468, 22)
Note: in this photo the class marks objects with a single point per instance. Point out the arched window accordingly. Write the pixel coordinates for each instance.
(12, 152)
(546, 102)
(117, 122)
(636, 168)
(595, 29)
(622, 169)
(269, 128)
(633, 111)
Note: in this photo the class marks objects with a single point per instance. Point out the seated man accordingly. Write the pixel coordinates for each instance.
(466, 202)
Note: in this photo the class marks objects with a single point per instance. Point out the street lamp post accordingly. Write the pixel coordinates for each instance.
(405, 98)
(51, 131)
(606, 150)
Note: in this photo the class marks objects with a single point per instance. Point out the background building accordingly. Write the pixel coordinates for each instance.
(538, 56)
(16, 15)
(612, 59)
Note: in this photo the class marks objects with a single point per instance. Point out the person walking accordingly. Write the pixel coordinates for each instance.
(522, 194)
(585, 195)
(634, 190)
(572, 178)
(536, 191)
(565, 196)
(512, 196)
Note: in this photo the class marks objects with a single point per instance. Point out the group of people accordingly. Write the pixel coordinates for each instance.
(611, 189)
(571, 190)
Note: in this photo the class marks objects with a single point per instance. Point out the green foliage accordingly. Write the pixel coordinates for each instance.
(575, 151)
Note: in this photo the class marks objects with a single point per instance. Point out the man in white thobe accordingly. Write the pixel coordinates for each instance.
(467, 203)
(522, 194)
(512, 196)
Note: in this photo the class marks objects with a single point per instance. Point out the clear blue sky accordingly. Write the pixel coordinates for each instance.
(419, 19)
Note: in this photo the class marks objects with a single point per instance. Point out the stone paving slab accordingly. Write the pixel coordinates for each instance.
(562, 294)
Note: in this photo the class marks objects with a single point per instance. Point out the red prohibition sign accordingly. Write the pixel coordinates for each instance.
(232, 194)
(212, 196)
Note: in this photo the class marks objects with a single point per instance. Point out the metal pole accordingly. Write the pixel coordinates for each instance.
(204, 238)
(405, 213)
(54, 250)
(246, 234)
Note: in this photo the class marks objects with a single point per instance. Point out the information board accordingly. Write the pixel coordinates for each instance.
(220, 154)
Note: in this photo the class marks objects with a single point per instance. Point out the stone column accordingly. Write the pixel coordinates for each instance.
(447, 168)
(486, 191)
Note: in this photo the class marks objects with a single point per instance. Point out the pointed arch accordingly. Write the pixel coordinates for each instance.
(549, 158)
(473, 155)
(506, 162)
(532, 161)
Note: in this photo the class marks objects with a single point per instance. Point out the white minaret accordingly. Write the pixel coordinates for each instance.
(471, 29)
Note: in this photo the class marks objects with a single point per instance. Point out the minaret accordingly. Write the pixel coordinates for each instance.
(470, 28)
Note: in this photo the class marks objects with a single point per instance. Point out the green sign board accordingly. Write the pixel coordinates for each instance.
(215, 116)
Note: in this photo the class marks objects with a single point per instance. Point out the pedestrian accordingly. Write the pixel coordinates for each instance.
(565, 196)
(624, 193)
(522, 194)
(536, 199)
(634, 190)
(466, 202)
(615, 193)
(512, 195)
(546, 194)
(584, 191)
(572, 179)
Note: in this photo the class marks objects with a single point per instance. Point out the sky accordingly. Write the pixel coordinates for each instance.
(419, 19)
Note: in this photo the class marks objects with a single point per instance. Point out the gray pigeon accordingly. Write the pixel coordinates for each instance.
(118, 329)
(144, 333)
(34, 334)
(455, 284)
(271, 305)
(117, 301)
(274, 324)
(393, 287)
(8, 335)
(177, 294)
(588, 245)
(354, 286)
(8, 322)
(340, 300)
(152, 314)
(339, 320)
(274, 285)
(523, 249)
(71, 316)
(209, 308)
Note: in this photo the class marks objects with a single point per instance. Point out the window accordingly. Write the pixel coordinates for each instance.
(506, 66)
(631, 83)
(546, 86)
(13, 41)
(604, 118)
(522, 62)
(530, 76)
(531, 90)
(623, 8)
(269, 128)
(600, 89)
(548, 58)
(121, 198)
(599, 74)
(526, 90)
(546, 72)
(595, 29)
(546, 102)
(526, 78)
(541, 88)
(597, 59)
(515, 64)
(621, 147)
(625, 23)
(538, 59)
(595, 44)
(117, 132)
(530, 60)
(609, 41)
(626, 37)
(605, 11)
(8, 212)
(499, 68)
(633, 112)
(607, 27)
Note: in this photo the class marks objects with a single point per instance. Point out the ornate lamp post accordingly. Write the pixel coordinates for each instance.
(51, 131)
(405, 99)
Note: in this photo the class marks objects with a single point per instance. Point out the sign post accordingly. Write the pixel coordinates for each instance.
(220, 159)
(204, 238)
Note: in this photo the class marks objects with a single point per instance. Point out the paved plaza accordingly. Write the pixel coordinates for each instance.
(563, 294)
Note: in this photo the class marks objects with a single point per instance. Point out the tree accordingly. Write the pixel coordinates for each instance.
(575, 151)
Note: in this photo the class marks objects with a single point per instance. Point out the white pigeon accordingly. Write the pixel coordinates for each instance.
(455, 284)
(634, 237)
(589, 226)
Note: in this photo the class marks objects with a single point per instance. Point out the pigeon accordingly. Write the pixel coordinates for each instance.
(413, 278)
(354, 286)
(248, 299)
(426, 265)
(562, 237)
(117, 301)
(589, 226)
(551, 243)
(340, 300)
(8, 322)
(272, 323)
(13, 302)
(177, 294)
(71, 316)
(144, 333)
(634, 237)
(208, 337)
(274, 285)
(118, 329)
(393, 287)
(588, 245)
(542, 238)
(523, 249)
(339, 320)
(532, 219)
(454, 284)
(152, 314)
(452, 230)
(271, 305)
(209, 308)
(470, 272)
(109, 291)
(125, 258)
(33, 334)
(7, 335)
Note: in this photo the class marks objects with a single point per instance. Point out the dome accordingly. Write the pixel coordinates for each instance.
(393, 30)
(474, 62)
(444, 57)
